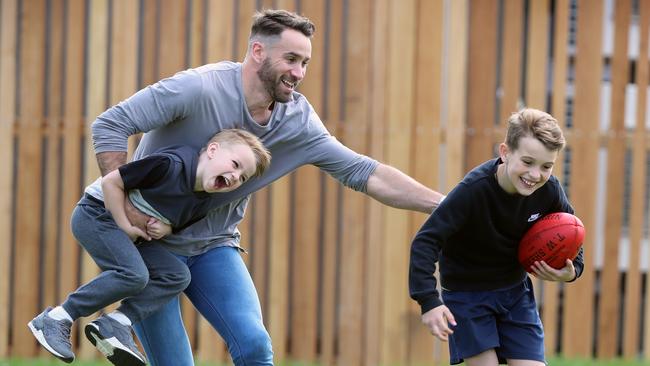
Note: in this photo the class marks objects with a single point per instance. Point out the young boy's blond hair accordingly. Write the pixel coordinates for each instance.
(237, 136)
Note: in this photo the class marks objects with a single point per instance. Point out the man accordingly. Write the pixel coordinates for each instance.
(257, 95)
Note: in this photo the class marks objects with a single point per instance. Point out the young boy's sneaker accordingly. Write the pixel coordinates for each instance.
(115, 341)
(53, 334)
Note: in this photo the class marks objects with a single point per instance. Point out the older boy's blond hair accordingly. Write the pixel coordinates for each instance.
(537, 124)
(236, 136)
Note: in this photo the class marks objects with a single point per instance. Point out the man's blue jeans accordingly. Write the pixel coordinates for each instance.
(222, 290)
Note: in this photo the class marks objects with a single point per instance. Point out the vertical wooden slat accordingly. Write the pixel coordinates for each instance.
(260, 244)
(172, 37)
(52, 185)
(244, 18)
(331, 189)
(588, 67)
(350, 321)
(306, 213)
(608, 321)
(511, 56)
(95, 104)
(8, 24)
(396, 241)
(267, 4)
(481, 81)
(72, 149)
(148, 46)
(631, 320)
(456, 91)
(124, 58)
(197, 34)
(327, 336)
(558, 110)
(537, 54)
(220, 28)
(375, 269)
(304, 258)
(28, 190)
(279, 266)
(124, 53)
(427, 139)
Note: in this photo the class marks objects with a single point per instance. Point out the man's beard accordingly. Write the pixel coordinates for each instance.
(271, 82)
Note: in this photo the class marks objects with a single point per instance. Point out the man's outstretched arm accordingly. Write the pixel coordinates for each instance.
(390, 186)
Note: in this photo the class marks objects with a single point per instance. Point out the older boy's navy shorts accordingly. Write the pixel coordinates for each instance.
(505, 320)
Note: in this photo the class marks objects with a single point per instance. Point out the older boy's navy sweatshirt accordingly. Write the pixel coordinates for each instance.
(474, 234)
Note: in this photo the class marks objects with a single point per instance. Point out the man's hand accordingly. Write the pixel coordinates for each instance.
(438, 320)
(545, 272)
(158, 229)
(135, 232)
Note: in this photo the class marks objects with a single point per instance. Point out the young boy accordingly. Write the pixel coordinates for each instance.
(487, 297)
(173, 185)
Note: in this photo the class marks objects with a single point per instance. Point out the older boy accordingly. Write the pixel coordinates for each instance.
(486, 295)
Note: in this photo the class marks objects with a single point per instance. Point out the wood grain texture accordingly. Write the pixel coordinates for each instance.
(579, 309)
(8, 29)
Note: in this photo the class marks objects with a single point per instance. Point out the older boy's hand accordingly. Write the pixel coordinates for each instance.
(438, 320)
(545, 272)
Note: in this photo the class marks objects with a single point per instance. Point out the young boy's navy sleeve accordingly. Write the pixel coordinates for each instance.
(146, 172)
(427, 245)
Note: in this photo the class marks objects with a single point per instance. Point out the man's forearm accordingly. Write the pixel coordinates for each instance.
(396, 189)
(110, 160)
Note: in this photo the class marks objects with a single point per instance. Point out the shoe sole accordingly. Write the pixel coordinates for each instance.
(41, 339)
(111, 348)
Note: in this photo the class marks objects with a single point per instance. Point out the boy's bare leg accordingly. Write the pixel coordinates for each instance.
(487, 358)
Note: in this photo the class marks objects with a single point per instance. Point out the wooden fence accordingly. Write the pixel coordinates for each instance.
(423, 85)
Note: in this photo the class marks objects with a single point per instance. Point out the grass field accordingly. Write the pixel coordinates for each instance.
(551, 362)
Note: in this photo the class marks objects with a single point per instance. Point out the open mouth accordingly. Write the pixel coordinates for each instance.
(527, 183)
(289, 84)
(221, 182)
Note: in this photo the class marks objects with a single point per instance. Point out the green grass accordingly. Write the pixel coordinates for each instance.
(55, 362)
(552, 362)
(578, 362)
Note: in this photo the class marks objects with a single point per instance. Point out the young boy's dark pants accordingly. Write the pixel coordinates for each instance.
(124, 271)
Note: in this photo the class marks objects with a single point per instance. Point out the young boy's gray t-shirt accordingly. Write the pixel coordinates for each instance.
(193, 105)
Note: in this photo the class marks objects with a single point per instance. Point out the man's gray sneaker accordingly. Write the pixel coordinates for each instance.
(115, 341)
(53, 334)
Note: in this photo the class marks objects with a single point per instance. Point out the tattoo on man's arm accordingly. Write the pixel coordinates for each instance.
(110, 160)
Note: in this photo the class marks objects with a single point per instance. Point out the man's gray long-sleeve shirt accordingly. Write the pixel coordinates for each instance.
(193, 105)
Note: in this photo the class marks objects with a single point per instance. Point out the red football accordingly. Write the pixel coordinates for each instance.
(553, 239)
